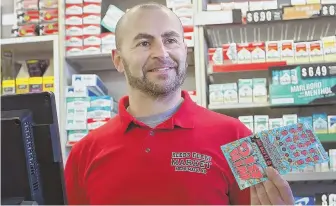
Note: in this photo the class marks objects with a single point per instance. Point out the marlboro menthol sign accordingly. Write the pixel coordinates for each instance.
(303, 84)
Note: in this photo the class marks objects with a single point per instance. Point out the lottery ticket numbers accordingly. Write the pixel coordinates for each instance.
(286, 149)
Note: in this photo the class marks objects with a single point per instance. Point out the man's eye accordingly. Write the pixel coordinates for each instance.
(144, 44)
(171, 41)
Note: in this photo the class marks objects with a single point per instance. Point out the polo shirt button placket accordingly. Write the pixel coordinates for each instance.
(151, 133)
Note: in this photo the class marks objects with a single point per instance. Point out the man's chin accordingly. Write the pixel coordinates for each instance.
(160, 77)
(160, 81)
(161, 89)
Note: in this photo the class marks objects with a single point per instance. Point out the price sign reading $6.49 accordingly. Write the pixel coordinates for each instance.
(314, 71)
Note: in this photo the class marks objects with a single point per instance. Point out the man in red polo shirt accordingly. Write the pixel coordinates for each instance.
(161, 148)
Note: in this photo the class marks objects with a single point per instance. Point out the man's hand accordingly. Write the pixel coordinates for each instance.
(274, 191)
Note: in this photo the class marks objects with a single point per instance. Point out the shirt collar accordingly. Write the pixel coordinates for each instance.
(184, 116)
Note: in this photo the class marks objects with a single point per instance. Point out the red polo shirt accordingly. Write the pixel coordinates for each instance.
(178, 162)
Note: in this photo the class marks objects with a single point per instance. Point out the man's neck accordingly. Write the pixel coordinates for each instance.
(141, 105)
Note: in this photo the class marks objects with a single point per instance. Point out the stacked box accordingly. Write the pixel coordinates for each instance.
(82, 27)
(87, 105)
(109, 22)
(35, 17)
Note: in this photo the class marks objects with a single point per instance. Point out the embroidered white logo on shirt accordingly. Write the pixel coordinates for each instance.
(191, 162)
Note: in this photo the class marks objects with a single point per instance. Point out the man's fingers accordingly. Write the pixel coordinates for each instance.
(262, 194)
(273, 193)
(282, 186)
(254, 196)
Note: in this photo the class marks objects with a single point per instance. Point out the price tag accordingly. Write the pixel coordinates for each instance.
(328, 10)
(325, 199)
(318, 71)
(301, 11)
(261, 16)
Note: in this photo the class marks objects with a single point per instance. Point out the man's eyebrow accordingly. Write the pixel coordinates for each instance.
(143, 36)
(170, 34)
(166, 34)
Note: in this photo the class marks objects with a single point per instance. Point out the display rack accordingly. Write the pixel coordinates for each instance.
(36, 47)
(211, 29)
(215, 28)
(44, 46)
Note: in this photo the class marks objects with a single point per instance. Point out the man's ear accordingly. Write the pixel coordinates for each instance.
(186, 47)
(118, 63)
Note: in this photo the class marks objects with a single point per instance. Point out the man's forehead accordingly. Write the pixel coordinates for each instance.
(137, 20)
(146, 18)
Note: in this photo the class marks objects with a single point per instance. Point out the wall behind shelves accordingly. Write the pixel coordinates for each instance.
(7, 7)
(126, 4)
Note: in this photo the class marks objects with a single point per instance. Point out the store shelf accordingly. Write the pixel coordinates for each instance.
(260, 105)
(297, 30)
(91, 62)
(311, 176)
(245, 67)
(217, 17)
(28, 40)
(327, 138)
(22, 46)
(238, 106)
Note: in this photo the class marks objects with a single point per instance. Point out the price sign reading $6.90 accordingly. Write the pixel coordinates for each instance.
(261, 16)
(315, 71)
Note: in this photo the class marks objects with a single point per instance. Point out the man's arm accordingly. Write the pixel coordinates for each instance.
(74, 190)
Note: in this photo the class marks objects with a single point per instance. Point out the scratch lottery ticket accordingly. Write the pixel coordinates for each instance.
(286, 149)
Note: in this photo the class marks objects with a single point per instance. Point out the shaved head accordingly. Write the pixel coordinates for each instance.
(151, 51)
(119, 32)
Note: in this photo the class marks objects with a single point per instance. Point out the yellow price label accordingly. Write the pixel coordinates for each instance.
(35, 80)
(32, 61)
(301, 11)
(22, 80)
(329, 44)
(26, 18)
(8, 83)
(48, 79)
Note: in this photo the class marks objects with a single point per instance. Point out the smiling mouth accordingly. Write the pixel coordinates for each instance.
(161, 69)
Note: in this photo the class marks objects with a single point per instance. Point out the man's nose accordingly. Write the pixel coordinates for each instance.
(159, 50)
